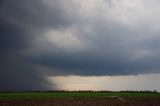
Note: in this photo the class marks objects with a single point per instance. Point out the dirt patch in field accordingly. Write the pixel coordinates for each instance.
(85, 101)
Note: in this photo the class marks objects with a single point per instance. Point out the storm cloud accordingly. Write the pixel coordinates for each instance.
(90, 38)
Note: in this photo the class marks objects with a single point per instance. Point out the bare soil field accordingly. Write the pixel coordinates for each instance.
(84, 101)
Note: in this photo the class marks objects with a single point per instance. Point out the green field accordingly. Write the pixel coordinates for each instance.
(73, 94)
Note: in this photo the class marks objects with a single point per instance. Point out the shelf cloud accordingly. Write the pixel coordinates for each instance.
(86, 38)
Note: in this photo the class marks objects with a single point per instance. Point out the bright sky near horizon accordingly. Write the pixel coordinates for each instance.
(109, 83)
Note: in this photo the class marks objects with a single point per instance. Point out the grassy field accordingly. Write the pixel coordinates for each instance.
(80, 99)
(30, 95)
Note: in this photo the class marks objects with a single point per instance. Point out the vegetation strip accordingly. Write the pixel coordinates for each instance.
(30, 95)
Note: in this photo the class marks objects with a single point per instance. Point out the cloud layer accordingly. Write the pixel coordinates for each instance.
(97, 37)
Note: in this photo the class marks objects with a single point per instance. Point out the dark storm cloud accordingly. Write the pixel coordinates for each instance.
(18, 74)
(105, 37)
(17, 20)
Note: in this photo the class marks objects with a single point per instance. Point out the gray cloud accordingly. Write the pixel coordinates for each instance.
(19, 74)
(105, 37)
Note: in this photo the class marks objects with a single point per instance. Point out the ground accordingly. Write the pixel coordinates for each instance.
(79, 99)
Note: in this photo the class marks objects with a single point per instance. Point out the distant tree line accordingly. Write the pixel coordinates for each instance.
(81, 91)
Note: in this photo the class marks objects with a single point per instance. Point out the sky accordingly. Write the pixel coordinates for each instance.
(79, 44)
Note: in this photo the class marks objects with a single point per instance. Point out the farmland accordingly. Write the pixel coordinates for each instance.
(80, 99)
(30, 95)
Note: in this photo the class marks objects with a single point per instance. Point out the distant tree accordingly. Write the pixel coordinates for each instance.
(155, 91)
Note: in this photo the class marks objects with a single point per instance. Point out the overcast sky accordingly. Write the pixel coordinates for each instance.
(50, 38)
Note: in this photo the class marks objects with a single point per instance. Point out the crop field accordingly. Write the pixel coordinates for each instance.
(31, 95)
(80, 99)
